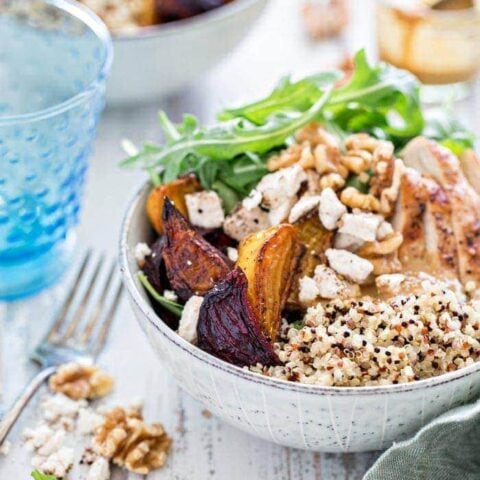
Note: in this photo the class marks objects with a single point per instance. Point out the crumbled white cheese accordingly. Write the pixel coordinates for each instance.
(349, 265)
(328, 283)
(331, 209)
(100, 470)
(142, 250)
(304, 205)
(88, 420)
(5, 448)
(307, 290)
(253, 200)
(205, 209)
(170, 295)
(232, 254)
(390, 282)
(344, 241)
(243, 222)
(361, 225)
(384, 230)
(60, 408)
(34, 438)
(280, 185)
(280, 213)
(187, 328)
(58, 464)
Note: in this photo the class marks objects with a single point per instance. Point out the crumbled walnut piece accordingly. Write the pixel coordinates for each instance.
(81, 381)
(327, 160)
(286, 158)
(357, 161)
(352, 198)
(129, 442)
(332, 180)
(390, 245)
(361, 141)
(307, 160)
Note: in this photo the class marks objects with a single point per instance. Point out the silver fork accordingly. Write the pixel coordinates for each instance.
(73, 337)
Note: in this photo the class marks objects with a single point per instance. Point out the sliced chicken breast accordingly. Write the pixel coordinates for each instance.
(440, 241)
(408, 220)
(470, 163)
(430, 158)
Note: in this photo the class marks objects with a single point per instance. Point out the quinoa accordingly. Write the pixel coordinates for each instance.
(359, 342)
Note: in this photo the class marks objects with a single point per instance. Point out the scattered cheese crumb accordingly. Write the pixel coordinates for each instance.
(349, 265)
(58, 464)
(308, 290)
(142, 250)
(331, 209)
(384, 230)
(360, 224)
(232, 254)
(187, 328)
(100, 470)
(305, 205)
(170, 295)
(88, 420)
(205, 209)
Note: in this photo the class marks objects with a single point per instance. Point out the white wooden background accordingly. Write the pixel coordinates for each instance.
(204, 448)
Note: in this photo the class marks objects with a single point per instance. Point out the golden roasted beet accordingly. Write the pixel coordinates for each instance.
(176, 192)
(193, 265)
(269, 259)
(228, 327)
(315, 240)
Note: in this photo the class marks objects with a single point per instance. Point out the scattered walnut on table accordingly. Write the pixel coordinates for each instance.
(129, 442)
(79, 381)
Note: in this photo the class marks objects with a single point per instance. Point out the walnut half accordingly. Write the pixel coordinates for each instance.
(129, 442)
(79, 381)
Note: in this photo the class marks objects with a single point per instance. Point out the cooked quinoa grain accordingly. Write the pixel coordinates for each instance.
(376, 342)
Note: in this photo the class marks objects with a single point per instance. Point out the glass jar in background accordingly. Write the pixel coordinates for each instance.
(441, 47)
(54, 59)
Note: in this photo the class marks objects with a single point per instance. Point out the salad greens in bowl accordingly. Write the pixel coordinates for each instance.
(312, 259)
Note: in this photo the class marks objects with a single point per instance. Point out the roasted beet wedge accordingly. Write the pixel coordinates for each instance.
(154, 267)
(193, 265)
(228, 328)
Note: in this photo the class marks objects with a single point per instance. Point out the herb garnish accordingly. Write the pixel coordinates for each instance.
(230, 157)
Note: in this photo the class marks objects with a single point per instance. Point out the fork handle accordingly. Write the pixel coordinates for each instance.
(11, 417)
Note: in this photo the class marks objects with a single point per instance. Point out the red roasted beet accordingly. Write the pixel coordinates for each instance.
(227, 327)
(154, 267)
(170, 10)
(193, 265)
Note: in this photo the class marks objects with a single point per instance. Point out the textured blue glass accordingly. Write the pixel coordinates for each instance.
(54, 57)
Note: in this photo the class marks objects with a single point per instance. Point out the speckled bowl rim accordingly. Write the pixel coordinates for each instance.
(179, 26)
(99, 29)
(217, 364)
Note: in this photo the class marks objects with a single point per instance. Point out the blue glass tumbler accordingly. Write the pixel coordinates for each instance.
(54, 59)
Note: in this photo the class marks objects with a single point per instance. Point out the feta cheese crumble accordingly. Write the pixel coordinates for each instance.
(187, 328)
(349, 265)
(331, 209)
(142, 251)
(205, 209)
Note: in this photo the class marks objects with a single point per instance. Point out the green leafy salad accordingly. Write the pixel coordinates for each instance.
(230, 157)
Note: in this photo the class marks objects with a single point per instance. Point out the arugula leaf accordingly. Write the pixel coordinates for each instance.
(37, 475)
(225, 141)
(443, 126)
(173, 307)
(287, 96)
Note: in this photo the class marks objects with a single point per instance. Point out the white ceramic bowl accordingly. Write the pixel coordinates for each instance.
(327, 419)
(165, 58)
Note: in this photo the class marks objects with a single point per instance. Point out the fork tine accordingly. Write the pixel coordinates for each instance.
(95, 315)
(62, 313)
(108, 319)
(82, 305)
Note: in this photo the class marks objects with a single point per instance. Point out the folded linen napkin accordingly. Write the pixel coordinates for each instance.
(448, 448)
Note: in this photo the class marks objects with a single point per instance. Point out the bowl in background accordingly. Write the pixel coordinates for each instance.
(311, 417)
(162, 59)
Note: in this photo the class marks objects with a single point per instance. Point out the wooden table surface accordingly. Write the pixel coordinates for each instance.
(204, 448)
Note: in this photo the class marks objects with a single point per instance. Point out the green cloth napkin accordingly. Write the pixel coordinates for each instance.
(448, 448)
